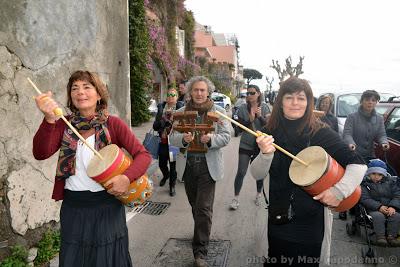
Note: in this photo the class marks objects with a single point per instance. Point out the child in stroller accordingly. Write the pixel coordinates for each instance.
(381, 199)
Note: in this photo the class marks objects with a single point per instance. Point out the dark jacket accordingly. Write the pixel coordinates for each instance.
(160, 122)
(386, 192)
(362, 130)
(331, 120)
(248, 141)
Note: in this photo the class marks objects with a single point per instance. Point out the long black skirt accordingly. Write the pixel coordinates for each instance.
(93, 231)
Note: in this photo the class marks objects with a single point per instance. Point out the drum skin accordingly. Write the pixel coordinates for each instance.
(320, 162)
(115, 162)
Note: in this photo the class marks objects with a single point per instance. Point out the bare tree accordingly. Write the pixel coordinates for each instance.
(269, 83)
(288, 70)
(281, 73)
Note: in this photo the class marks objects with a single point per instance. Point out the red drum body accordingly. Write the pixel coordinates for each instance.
(114, 163)
(322, 172)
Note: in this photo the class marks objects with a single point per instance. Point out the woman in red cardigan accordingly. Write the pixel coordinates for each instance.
(93, 224)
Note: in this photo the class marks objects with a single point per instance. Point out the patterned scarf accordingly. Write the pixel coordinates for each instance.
(67, 156)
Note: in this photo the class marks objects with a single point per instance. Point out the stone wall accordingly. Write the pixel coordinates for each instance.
(48, 40)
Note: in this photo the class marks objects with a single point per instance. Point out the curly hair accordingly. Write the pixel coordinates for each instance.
(195, 79)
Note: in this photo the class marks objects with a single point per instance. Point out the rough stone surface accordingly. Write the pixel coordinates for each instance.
(31, 208)
(46, 41)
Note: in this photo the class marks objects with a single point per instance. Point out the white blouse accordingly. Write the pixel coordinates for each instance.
(81, 181)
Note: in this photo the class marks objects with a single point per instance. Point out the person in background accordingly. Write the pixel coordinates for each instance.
(381, 198)
(182, 92)
(365, 126)
(306, 231)
(202, 169)
(325, 104)
(92, 221)
(241, 100)
(252, 115)
(163, 124)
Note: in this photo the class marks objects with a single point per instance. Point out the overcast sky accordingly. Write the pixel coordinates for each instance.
(350, 45)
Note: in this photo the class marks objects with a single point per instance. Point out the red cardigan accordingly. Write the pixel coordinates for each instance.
(47, 141)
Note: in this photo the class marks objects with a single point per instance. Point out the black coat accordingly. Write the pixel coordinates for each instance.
(331, 120)
(374, 195)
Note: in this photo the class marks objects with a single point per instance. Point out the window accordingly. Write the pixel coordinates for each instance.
(381, 109)
(347, 104)
(393, 125)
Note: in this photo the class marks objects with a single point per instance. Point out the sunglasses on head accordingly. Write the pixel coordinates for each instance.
(171, 94)
(251, 93)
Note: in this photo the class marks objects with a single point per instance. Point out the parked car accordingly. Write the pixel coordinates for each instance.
(222, 100)
(391, 114)
(347, 103)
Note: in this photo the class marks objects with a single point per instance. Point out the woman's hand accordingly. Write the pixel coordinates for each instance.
(258, 111)
(383, 209)
(328, 199)
(390, 211)
(118, 185)
(265, 143)
(47, 105)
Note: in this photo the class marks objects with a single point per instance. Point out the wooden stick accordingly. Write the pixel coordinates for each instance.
(257, 135)
(70, 125)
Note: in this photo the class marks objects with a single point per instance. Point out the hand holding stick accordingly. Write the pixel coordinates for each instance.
(58, 112)
(256, 135)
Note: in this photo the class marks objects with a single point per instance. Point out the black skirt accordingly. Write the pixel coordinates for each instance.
(93, 231)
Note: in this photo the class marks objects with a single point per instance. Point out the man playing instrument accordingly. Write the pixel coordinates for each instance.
(202, 169)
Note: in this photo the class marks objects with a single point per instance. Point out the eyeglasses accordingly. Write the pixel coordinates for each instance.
(250, 93)
(168, 95)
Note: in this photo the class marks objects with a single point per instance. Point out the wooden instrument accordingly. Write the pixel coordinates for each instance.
(114, 163)
(321, 173)
(187, 123)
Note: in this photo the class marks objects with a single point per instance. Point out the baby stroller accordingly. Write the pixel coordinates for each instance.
(362, 221)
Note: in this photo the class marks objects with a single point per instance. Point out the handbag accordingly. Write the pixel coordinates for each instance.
(173, 151)
(151, 143)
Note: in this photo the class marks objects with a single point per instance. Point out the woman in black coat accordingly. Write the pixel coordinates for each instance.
(162, 124)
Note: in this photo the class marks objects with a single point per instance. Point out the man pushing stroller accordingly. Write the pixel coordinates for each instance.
(381, 198)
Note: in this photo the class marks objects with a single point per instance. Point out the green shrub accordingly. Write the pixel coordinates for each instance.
(18, 257)
(48, 247)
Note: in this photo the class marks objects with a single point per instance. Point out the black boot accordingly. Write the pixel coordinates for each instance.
(163, 181)
(172, 191)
